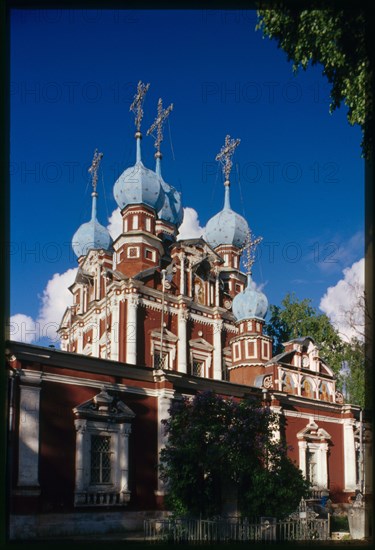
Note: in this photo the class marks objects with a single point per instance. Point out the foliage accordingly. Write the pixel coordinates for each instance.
(336, 39)
(296, 318)
(339, 523)
(212, 442)
(353, 380)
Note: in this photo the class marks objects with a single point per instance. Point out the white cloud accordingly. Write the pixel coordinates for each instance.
(190, 227)
(344, 302)
(115, 224)
(55, 299)
(56, 296)
(22, 328)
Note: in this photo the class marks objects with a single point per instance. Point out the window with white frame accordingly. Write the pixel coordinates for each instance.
(133, 252)
(313, 443)
(103, 426)
(150, 254)
(163, 358)
(160, 361)
(197, 367)
(200, 357)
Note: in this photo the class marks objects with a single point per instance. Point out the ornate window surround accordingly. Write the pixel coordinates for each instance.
(169, 346)
(314, 440)
(201, 350)
(106, 416)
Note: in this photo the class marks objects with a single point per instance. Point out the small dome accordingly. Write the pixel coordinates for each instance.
(226, 227)
(250, 304)
(139, 185)
(171, 210)
(91, 235)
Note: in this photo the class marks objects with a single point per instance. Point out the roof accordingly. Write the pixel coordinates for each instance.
(280, 358)
(300, 340)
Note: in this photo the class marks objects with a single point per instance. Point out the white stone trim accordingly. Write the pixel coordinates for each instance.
(182, 342)
(349, 454)
(119, 485)
(86, 382)
(28, 435)
(164, 402)
(131, 329)
(217, 352)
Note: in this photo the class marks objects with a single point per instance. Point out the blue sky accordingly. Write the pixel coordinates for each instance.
(298, 179)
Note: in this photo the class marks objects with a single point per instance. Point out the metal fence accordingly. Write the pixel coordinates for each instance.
(225, 530)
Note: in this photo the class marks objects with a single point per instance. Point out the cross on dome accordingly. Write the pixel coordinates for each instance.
(249, 247)
(225, 156)
(158, 125)
(137, 106)
(93, 170)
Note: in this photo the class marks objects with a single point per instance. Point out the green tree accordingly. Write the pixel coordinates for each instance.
(336, 39)
(352, 378)
(213, 441)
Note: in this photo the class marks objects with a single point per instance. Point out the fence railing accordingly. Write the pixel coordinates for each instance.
(221, 530)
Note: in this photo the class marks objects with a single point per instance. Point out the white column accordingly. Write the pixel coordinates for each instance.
(302, 445)
(115, 310)
(182, 274)
(79, 340)
(217, 291)
(125, 431)
(349, 455)
(80, 426)
(322, 466)
(95, 334)
(182, 341)
(164, 402)
(28, 453)
(131, 330)
(217, 349)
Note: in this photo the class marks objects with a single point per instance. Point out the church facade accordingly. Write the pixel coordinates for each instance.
(153, 319)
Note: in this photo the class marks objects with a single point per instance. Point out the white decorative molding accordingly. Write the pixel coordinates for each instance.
(349, 454)
(313, 442)
(88, 382)
(28, 452)
(131, 329)
(108, 418)
(164, 402)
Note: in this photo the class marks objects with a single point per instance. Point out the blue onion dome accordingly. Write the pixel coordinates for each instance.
(91, 234)
(226, 227)
(250, 303)
(171, 210)
(139, 185)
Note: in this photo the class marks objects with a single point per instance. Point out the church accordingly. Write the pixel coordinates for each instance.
(155, 318)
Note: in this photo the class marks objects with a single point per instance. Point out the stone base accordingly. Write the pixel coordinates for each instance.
(54, 526)
(359, 519)
(340, 535)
